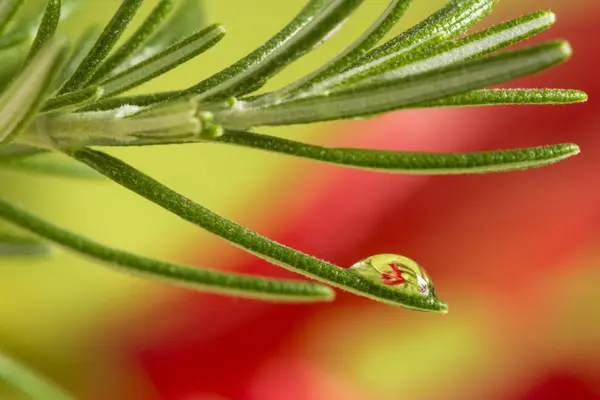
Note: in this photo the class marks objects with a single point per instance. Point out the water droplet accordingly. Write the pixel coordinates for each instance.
(397, 271)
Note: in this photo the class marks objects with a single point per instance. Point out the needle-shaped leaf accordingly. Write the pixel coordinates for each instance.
(47, 28)
(408, 162)
(75, 99)
(141, 100)
(82, 47)
(413, 56)
(187, 18)
(49, 164)
(478, 44)
(312, 26)
(165, 61)
(196, 278)
(392, 94)
(103, 46)
(350, 55)
(29, 382)
(450, 21)
(252, 242)
(488, 97)
(22, 99)
(19, 245)
(152, 23)
(8, 9)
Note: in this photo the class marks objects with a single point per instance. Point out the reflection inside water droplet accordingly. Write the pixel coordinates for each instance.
(397, 271)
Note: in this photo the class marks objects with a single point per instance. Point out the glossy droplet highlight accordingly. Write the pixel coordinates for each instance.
(396, 271)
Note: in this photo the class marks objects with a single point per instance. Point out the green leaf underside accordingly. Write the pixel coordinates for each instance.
(150, 25)
(18, 245)
(448, 22)
(420, 61)
(28, 382)
(373, 98)
(164, 61)
(47, 27)
(318, 19)
(252, 242)
(407, 162)
(22, 99)
(48, 164)
(103, 46)
(200, 279)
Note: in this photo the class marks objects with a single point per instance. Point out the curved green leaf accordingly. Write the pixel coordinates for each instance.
(165, 61)
(200, 279)
(252, 242)
(47, 28)
(408, 162)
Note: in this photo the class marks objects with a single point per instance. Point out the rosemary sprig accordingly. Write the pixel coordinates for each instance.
(261, 246)
(429, 65)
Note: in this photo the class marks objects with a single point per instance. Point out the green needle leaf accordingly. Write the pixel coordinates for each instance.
(103, 46)
(164, 61)
(422, 60)
(75, 99)
(312, 25)
(450, 21)
(196, 278)
(252, 242)
(359, 48)
(478, 44)
(393, 94)
(26, 93)
(489, 97)
(408, 162)
(18, 245)
(152, 23)
(28, 382)
(47, 27)
(187, 19)
(8, 9)
(82, 47)
(48, 164)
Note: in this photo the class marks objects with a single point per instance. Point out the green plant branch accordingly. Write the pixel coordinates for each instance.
(196, 278)
(252, 242)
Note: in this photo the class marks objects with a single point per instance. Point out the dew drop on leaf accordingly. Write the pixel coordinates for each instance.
(397, 271)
